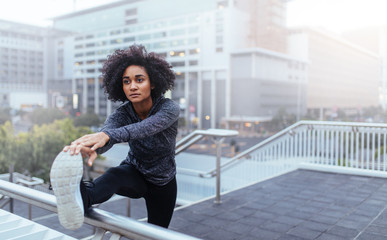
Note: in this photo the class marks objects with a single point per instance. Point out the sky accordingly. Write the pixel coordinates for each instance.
(334, 15)
(337, 15)
(38, 12)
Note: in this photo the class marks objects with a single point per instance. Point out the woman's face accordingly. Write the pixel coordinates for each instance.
(136, 84)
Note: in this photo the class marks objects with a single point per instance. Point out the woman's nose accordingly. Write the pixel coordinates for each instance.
(133, 86)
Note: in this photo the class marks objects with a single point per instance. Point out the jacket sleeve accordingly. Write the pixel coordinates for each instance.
(161, 120)
(117, 119)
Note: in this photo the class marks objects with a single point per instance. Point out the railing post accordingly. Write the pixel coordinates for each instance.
(218, 163)
(128, 210)
(11, 180)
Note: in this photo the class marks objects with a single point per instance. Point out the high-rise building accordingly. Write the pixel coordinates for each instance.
(266, 24)
(374, 38)
(341, 75)
(196, 38)
(26, 66)
(22, 65)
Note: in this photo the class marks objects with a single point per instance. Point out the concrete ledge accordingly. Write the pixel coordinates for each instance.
(342, 170)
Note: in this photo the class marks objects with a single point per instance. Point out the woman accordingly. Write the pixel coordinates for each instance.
(147, 121)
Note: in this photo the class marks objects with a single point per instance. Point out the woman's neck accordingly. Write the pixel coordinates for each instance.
(143, 108)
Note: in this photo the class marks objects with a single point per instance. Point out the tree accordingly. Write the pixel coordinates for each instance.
(35, 151)
(281, 120)
(45, 115)
(87, 119)
(6, 145)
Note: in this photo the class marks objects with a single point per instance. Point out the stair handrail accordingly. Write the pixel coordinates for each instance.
(101, 219)
(289, 130)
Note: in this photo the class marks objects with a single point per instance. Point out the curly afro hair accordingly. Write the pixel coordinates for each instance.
(159, 71)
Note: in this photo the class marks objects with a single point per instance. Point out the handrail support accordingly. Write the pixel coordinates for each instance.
(218, 143)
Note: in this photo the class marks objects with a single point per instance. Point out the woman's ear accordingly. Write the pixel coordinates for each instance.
(152, 87)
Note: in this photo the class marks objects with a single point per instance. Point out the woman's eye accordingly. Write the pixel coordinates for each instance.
(140, 80)
(126, 81)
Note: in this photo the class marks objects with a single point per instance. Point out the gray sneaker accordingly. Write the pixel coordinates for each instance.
(65, 175)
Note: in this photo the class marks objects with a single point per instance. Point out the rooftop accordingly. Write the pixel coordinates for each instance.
(302, 204)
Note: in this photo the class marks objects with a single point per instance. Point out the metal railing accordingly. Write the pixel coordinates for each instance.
(217, 136)
(345, 147)
(356, 148)
(116, 224)
(103, 220)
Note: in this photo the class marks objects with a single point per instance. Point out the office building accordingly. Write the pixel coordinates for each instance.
(197, 40)
(341, 75)
(374, 39)
(23, 82)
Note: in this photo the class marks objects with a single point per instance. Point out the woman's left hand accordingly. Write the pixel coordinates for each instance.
(94, 141)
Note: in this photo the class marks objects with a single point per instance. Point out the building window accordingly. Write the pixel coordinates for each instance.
(77, 64)
(177, 53)
(115, 41)
(193, 41)
(179, 42)
(131, 12)
(160, 45)
(131, 21)
(219, 49)
(144, 37)
(222, 4)
(102, 43)
(159, 35)
(129, 39)
(129, 30)
(162, 55)
(193, 62)
(178, 64)
(115, 32)
(177, 32)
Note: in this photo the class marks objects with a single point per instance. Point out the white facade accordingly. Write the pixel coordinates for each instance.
(23, 77)
(196, 41)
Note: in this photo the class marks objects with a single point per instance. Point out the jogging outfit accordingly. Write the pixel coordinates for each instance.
(149, 169)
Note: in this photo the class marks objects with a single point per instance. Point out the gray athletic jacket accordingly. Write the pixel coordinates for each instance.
(152, 140)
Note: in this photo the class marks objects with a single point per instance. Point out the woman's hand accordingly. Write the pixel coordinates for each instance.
(87, 145)
(94, 141)
(86, 152)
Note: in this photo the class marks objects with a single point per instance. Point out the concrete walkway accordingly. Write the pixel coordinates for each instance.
(298, 205)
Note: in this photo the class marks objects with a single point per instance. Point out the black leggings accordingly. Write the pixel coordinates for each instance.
(125, 180)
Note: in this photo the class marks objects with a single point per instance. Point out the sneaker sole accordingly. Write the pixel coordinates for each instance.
(65, 175)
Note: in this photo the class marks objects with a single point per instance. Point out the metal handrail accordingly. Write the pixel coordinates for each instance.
(288, 130)
(197, 135)
(117, 224)
(218, 136)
